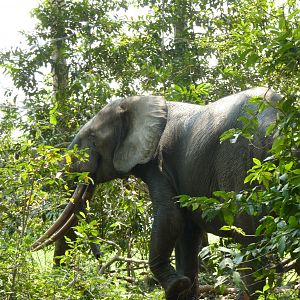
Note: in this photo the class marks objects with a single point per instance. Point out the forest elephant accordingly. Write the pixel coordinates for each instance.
(175, 149)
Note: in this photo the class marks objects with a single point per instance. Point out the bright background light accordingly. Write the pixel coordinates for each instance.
(14, 18)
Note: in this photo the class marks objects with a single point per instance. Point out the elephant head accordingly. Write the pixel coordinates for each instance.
(123, 134)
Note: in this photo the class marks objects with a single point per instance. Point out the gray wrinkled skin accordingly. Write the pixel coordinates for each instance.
(175, 149)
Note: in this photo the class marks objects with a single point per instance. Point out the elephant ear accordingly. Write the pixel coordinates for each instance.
(146, 120)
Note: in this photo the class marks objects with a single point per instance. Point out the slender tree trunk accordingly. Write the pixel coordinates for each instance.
(180, 25)
(181, 42)
(59, 63)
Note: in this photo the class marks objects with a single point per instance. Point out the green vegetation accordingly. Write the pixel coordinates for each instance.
(84, 53)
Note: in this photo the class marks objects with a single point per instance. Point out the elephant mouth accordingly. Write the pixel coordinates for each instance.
(67, 218)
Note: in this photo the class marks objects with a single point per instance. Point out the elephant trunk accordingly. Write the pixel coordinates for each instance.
(67, 218)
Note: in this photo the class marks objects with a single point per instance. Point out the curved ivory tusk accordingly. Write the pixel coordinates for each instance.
(65, 215)
(71, 221)
(63, 226)
(89, 192)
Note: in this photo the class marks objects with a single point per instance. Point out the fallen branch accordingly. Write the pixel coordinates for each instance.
(128, 279)
(143, 267)
(290, 265)
(282, 289)
(118, 257)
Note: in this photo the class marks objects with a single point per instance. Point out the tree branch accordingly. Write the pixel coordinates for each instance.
(118, 257)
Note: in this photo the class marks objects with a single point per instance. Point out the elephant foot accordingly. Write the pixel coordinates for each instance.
(178, 288)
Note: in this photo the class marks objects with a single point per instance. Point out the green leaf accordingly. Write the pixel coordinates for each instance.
(249, 178)
(270, 128)
(266, 287)
(279, 144)
(295, 180)
(229, 134)
(296, 171)
(82, 214)
(252, 59)
(68, 159)
(53, 119)
(226, 228)
(195, 206)
(288, 166)
(238, 258)
(221, 194)
(245, 53)
(226, 263)
(281, 245)
(293, 222)
(228, 216)
(256, 161)
(259, 229)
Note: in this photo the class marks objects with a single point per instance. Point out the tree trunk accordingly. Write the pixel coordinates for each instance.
(59, 64)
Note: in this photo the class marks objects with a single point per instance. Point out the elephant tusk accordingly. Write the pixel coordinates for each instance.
(88, 193)
(71, 221)
(67, 219)
(65, 215)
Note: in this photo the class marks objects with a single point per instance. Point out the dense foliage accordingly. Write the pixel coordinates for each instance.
(86, 52)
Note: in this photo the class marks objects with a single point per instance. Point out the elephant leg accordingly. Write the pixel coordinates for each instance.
(187, 248)
(166, 229)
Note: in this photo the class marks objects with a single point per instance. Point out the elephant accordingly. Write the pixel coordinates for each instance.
(175, 148)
